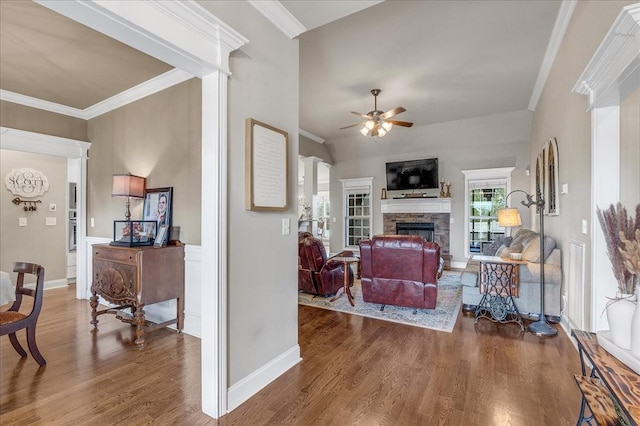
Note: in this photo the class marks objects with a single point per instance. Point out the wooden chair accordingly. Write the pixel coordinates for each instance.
(13, 320)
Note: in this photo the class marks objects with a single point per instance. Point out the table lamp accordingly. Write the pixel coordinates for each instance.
(128, 186)
(510, 217)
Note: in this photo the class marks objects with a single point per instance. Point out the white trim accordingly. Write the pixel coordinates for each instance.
(416, 205)
(613, 72)
(142, 90)
(250, 385)
(279, 16)
(605, 190)
(557, 35)
(311, 136)
(214, 243)
(498, 174)
(180, 33)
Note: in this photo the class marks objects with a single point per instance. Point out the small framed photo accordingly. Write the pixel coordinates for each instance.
(158, 207)
(161, 237)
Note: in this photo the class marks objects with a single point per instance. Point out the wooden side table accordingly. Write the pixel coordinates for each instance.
(611, 391)
(346, 260)
(497, 278)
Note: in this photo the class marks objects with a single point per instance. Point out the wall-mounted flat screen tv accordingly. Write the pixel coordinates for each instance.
(412, 174)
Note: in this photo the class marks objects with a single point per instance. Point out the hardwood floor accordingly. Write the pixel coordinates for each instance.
(356, 371)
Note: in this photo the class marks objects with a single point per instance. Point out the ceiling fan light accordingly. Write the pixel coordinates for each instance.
(381, 131)
(364, 131)
(387, 126)
(369, 124)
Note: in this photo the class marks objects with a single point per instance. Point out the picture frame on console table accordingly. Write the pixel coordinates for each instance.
(158, 207)
(265, 167)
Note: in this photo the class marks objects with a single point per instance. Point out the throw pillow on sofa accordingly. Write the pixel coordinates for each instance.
(492, 249)
(522, 237)
(531, 250)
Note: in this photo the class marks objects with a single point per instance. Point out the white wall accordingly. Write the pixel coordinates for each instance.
(485, 142)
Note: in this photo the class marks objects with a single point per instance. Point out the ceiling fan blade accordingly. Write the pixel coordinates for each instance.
(368, 117)
(393, 112)
(400, 123)
(352, 125)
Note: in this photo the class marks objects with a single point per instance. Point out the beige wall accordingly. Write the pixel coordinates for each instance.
(157, 137)
(36, 243)
(486, 142)
(39, 121)
(562, 114)
(263, 281)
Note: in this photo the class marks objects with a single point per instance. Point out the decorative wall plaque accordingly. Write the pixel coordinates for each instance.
(26, 182)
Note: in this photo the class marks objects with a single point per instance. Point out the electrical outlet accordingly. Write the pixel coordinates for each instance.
(22, 221)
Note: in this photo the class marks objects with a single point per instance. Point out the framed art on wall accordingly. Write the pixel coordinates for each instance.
(158, 207)
(265, 167)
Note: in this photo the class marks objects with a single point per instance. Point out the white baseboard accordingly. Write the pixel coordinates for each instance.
(459, 265)
(250, 385)
(55, 283)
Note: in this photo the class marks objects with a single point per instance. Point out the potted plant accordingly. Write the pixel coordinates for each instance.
(630, 252)
(618, 227)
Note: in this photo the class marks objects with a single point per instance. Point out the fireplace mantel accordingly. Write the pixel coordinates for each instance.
(416, 205)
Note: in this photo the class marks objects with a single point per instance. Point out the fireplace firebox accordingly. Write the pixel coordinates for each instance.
(426, 229)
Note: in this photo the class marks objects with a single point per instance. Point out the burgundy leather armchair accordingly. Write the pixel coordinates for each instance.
(316, 273)
(400, 270)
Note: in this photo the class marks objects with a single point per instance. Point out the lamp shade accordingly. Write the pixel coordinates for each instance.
(509, 217)
(128, 185)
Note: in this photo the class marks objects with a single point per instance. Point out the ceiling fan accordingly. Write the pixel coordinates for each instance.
(378, 122)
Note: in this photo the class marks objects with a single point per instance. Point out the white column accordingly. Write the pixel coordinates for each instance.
(213, 244)
(605, 190)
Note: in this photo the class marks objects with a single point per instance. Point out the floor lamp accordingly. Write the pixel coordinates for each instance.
(508, 217)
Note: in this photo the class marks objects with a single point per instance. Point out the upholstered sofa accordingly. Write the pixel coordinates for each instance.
(527, 243)
(400, 270)
(318, 274)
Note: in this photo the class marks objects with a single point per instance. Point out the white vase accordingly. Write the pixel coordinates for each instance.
(635, 326)
(619, 314)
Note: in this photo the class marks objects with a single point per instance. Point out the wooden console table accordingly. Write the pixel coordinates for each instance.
(611, 391)
(133, 277)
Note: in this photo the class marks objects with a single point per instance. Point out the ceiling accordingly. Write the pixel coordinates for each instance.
(441, 60)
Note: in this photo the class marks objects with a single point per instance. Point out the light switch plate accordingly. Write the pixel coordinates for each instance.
(50, 221)
(52, 207)
(286, 226)
(22, 221)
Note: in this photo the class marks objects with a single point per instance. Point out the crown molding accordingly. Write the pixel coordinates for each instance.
(279, 16)
(25, 100)
(557, 35)
(311, 136)
(142, 90)
(180, 33)
(613, 72)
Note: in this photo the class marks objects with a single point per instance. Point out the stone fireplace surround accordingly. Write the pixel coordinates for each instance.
(419, 210)
(440, 221)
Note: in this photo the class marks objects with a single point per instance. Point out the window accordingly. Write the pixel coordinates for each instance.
(357, 202)
(485, 192)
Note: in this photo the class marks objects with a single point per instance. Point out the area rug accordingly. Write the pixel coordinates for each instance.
(442, 318)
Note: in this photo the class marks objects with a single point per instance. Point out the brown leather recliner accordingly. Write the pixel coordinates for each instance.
(400, 270)
(316, 273)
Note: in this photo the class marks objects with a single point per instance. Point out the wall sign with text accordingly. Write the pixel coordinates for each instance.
(26, 182)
